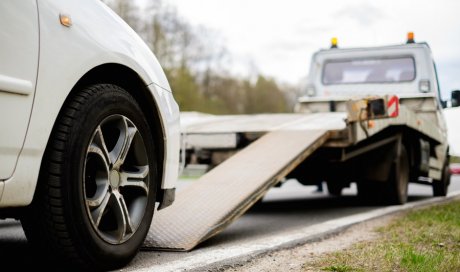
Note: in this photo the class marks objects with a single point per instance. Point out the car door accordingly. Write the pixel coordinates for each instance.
(19, 50)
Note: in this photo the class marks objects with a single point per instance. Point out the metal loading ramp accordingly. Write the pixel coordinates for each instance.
(211, 203)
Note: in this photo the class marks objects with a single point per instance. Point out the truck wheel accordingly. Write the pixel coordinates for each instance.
(95, 197)
(440, 187)
(398, 181)
(334, 188)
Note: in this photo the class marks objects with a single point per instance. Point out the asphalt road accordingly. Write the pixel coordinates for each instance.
(289, 207)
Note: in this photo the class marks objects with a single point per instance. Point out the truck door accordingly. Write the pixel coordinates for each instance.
(19, 49)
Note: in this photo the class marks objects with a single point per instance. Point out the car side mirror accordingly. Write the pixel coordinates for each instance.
(455, 98)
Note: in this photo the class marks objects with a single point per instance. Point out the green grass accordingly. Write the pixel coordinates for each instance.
(423, 240)
(454, 159)
(189, 177)
(338, 268)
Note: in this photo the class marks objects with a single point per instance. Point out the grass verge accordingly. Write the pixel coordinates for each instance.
(422, 240)
(454, 159)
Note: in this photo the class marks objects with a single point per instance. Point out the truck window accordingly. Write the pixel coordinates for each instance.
(370, 70)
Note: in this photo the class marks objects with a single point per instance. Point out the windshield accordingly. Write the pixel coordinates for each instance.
(371, 70)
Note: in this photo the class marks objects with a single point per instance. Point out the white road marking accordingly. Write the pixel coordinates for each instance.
(286, 239)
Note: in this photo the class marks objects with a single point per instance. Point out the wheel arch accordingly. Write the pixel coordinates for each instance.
(129, 80)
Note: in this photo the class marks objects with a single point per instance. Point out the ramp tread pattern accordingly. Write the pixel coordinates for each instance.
(226, 192)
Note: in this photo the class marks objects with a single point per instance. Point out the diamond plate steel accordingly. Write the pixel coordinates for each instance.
(226, 192)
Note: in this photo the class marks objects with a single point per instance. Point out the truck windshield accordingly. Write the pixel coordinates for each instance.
(370, 70)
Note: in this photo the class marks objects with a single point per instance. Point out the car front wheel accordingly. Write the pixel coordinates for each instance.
(96, 192)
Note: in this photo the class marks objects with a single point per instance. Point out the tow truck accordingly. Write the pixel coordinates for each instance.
(370, 116)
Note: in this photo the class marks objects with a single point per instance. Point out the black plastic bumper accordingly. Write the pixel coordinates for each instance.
(167, 197)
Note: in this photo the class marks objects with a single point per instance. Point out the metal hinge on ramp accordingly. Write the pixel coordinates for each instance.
(219, 197)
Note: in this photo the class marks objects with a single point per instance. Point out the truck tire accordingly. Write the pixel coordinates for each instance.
(440, 187)
(398, 181)
(334, 188)
(95, 197)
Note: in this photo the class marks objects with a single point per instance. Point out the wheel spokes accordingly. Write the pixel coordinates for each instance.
(125, 226)
(97, 169)
(98, 198)
(135, 178)
(121, 149)
(95, 149)
(99, 141)
(116, 179)
(100, 208)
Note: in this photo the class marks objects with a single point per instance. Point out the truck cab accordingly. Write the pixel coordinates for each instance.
(407, 69)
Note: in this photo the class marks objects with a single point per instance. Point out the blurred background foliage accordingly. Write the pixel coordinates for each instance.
(197, 63)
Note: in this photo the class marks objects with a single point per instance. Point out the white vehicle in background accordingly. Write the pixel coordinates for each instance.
(89, 131)
(379, 108)
(382, 167)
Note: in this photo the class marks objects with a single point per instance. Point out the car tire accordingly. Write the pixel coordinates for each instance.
(95, 196)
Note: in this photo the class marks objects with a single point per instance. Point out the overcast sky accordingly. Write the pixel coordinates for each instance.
(279, 37)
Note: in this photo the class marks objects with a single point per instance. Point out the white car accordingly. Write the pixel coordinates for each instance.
(89, 131)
